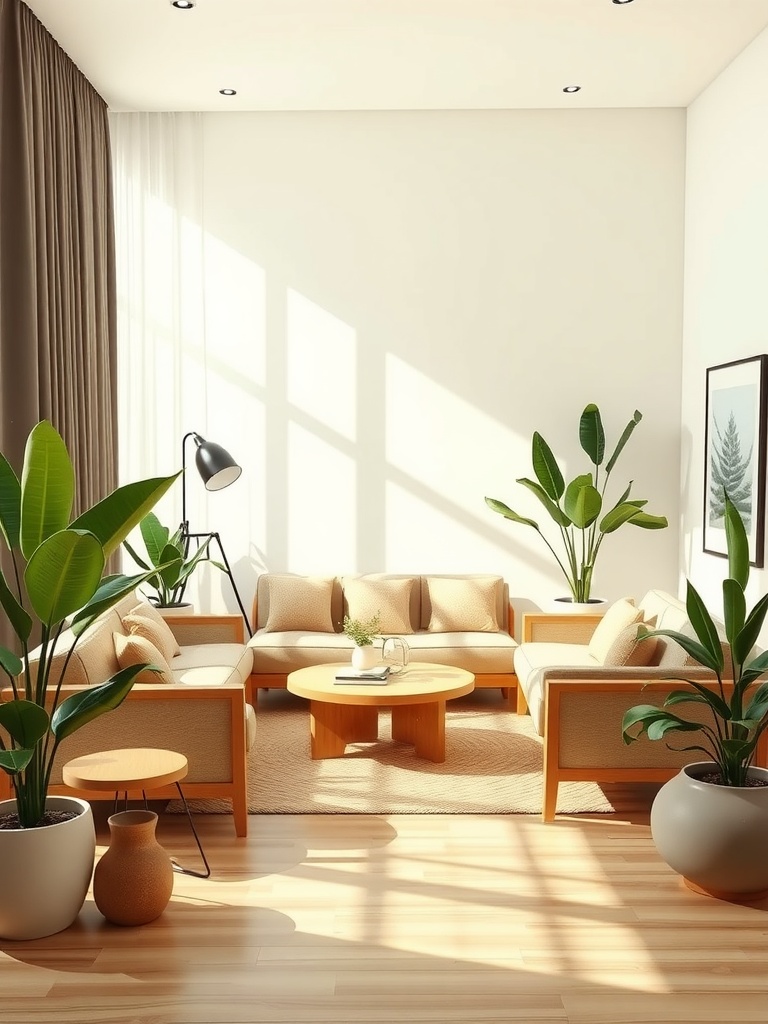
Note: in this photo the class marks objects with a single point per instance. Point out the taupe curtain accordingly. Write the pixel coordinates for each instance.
(57, 269)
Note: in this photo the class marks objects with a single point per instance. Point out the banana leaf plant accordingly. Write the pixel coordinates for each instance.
(578, 509)
(57, 573)
(166, 562)
(740, 717)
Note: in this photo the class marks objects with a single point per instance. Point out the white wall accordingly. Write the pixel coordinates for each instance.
(396, 301)
(726, 273)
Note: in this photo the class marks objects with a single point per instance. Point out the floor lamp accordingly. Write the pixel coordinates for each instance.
(218, 470)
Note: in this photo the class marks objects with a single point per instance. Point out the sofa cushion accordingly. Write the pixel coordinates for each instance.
(621, 613)
(389, 598)
(212, 664)
(478, 652)
(134, 650)
(147, 622)
(460, 603)
(288, 650)
(532, 660)
(632, 648)
(299, 602)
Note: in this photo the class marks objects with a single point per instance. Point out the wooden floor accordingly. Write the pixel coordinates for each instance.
(404, 919)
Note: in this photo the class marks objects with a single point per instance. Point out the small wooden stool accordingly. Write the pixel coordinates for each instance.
(133, 769)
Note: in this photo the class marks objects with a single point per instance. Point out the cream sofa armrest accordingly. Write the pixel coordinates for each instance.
(626, 673)
(542, 627)
(207, 629)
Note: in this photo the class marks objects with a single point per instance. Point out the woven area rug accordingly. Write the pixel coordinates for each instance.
(493, 765)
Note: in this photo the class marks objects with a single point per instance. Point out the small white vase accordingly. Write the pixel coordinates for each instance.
(364, 658)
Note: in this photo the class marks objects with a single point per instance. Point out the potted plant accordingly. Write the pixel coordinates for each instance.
(47, 844)
(363, 632)
(578, 508)
(167, 563)
(710, 822)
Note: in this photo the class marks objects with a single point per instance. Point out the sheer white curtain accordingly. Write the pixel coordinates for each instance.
(163, 389)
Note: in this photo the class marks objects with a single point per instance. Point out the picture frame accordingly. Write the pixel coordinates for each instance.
(735, 452)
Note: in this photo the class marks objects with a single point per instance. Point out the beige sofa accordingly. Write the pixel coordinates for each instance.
(577, 702)
(460, 620)
(202, 714)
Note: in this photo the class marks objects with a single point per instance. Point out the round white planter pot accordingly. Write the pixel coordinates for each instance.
(175, 609)
(716, 837)
(45, 872)
(567, 606)
(364, 658)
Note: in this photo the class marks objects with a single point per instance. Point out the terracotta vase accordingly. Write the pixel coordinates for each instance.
(133, 881)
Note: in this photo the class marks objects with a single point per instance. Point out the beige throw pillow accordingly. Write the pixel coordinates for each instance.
(300, 603)
(630, 648)
(390, 599)
(134, 650)
(146, 621)
(462, 604)
(621, 614)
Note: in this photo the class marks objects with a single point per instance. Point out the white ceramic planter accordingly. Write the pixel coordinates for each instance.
(716, 837)
(364, 658)
(175, 609)
(567, 606)
(45, 872)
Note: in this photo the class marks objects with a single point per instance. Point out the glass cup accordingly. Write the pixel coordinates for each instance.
(396, 653)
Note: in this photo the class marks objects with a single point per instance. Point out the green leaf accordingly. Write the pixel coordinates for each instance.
(582, 501)
(546, 468)
(735, 610)
(80, 708)
(756, 668)
(626, 434)
(504, 510)
(201, 555)
(63, 574)
(699, 695)
(17, 616)
(737, 544)
(25, 721)
(113, 518)
(155, 537)
(134, 555)
(14, 761)
(704, 627)
(47, 487)
(554, 510)
(111, 590)
(648, 522)
(173, 563)
(747, 638)
(10, 662)
(10, 504)
(591, 434)
(618, 515)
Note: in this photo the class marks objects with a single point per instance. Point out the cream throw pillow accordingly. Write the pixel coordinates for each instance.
(389, 599)
(629, 648)
(300, 603)
(146, 621)
(459, 605)
(621, 614)
(134, 650)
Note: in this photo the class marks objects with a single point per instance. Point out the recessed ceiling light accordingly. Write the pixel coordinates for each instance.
(572, 88)
(183, 5)
(622, 1)
(228, 92)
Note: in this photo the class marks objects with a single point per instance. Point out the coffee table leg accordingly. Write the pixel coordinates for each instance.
(333, 726)
(423, 725)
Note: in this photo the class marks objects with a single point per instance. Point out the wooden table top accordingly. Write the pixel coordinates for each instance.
(133, 768)
(419, 683)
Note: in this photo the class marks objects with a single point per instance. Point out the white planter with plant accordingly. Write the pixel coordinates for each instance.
(710, 822)
(577, 509)
(363, 633)
(168, 564)
(58, 574)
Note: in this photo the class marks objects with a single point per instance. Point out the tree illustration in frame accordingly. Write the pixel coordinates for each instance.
(735, 452)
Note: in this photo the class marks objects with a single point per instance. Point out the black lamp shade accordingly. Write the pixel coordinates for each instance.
(216, 466)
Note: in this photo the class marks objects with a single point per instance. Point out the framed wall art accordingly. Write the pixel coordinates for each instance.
(735, 451)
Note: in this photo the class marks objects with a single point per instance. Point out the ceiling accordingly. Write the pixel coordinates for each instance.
(400, 54)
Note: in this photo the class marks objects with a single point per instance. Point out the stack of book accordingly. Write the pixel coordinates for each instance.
(376, 676)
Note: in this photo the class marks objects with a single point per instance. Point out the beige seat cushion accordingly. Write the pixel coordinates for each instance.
(146, 621)
(459, 604)
(390, 599)
(632, 648)
(135, 650)
(299, 602)
(621, 614)
(212, 664)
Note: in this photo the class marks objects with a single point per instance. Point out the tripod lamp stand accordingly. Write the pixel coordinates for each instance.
(218, 470)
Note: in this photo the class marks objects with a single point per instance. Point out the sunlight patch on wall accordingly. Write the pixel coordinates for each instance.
(321, 493)
(322, 364)
(235, 311)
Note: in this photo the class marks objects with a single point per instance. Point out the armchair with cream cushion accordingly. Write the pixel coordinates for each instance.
(460, 620)
(194, 705)
(578, 674)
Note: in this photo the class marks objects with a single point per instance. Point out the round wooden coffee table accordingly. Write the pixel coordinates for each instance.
(342, 713)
